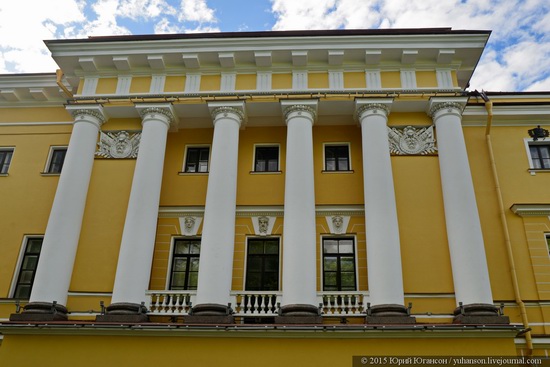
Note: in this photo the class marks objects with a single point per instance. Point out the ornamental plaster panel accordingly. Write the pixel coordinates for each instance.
(263, 225)
(410, 140)
(118, 144)
(338, 224)
(189, 225)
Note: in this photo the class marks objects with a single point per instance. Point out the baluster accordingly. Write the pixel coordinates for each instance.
(263, 305)
(248, 304)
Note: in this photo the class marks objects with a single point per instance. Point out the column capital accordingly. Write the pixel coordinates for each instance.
(293, 108)
(228, 110)
(79, 112)
(378, 106)
(151, 110)
(451, 105)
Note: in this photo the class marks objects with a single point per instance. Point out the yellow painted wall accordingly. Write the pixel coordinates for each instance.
(271, 349)
(45, 114)
(426, 79)
(355, 80)
(141, 84)
(318, 80)
(245, 82)
(210, 83)
(174, 83)
(281, 81)
(106, 86)
(390, 79)
(26, 195)
(183, 189)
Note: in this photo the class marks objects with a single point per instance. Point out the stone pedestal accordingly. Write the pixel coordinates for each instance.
(124, 313)
(41, 311)
(299, 314)
(210, 313)
(479, 313)
(389, 314)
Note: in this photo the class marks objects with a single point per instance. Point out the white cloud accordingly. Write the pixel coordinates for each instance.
(144, 9)
(196, 11)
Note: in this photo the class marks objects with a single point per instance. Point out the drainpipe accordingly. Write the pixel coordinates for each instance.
(59, 75)
(508, 242)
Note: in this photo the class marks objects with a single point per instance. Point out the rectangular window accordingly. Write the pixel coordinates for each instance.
(339, 264)
(548, 242)
(5, 159)
(197, 159)
(540, 155)
(27, 270)
(262, 265)
(266, 159)
(337, 158)
(184, 273)
(57, 158)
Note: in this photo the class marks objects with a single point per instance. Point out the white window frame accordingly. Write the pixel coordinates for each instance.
(322, 265)
(528, 142)
(22, 250)
(245, 260)
(547, 239)
(8, 149)
(350, 167)
(49, 160)
(267, 145)
(209, 146)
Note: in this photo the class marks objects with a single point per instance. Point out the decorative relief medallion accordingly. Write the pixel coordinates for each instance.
(410, 140)
(338, 224)
(190, 225)
(263, 225)
(118, 144)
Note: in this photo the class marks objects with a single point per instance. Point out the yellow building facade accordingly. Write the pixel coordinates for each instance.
(304, 197)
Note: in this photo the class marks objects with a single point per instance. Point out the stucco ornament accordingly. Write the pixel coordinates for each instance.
(189, 224)
(263, 225)
(338, 223)
(410, 140)
(118, 144)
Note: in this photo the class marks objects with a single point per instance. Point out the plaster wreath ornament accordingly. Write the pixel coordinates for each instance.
(118, 144)
(410, 140)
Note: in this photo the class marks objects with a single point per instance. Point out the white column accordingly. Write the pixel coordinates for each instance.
(53, 275)
(468, 261)
(138, 238)
(218, 232)
(299, 235)
(382, 230)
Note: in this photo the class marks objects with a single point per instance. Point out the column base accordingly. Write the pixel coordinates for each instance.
(299, 314)
(125, 313)
(210, 313)
(41, 311)
(389, 314)
(479, 313)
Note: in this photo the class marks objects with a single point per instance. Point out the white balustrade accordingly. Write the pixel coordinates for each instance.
(170, 303)
(256, 303)
(343, 303)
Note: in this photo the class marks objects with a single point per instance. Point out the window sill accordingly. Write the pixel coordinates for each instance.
(346, 172)
(534, 171)
(266, 172)
(50, 173)
(4, 174)
(192, 173)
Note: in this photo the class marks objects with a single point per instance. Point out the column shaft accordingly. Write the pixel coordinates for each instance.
(382, 229)
(468, 260)
(218, 233)
(138, 238)
(299, 239)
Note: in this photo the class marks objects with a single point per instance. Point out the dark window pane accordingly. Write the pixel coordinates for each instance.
(185, 264)
(337, 158)
(197, 159)
(262, 270)
(267, 159)
(330, 279)
(57, 159)
(331, 264)
(347, 264)
(5, 160)
(27, 270)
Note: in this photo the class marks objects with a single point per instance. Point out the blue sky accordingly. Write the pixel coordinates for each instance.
(517, 57)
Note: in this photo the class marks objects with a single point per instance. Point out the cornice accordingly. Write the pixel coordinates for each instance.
(255, 211)
(531, 210)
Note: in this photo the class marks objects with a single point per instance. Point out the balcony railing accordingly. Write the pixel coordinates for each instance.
(256, 303)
